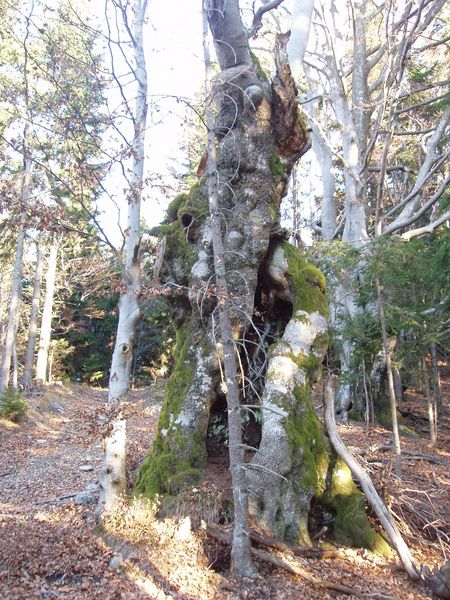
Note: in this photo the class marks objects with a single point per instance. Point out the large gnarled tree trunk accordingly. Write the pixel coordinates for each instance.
(277, 307)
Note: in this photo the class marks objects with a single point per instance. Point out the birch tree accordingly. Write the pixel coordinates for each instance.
(369, 88)
(33, 324)
(113, 474)
(47, 313)
(14, 305)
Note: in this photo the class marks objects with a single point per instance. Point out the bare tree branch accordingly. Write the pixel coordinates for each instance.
(427, 228)
(257, 19)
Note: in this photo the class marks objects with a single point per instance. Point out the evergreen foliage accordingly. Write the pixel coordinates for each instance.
(415, 283)
(12, 404)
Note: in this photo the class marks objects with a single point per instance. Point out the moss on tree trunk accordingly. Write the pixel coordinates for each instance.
(279, 321)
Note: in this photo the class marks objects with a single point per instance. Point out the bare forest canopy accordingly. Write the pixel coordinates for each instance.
(304, 240)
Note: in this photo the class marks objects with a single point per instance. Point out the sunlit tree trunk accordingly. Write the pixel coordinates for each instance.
(436, 381)
(33, 325)
(431, 403)
(16, 285)
(2, 311)
(47, 314)
(113, 473)
(15, 369)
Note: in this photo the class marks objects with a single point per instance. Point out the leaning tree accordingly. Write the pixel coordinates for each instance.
(275, 300)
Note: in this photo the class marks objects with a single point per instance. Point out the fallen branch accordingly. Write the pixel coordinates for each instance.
(414, 455)
(361, 475)
(225, 538)
(302, 551)
(50, 500)
(408, 413)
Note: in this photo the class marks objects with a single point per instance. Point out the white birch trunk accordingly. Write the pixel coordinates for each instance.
(325, 160)
(2, 312)
(352, 115)
(300, 27)
(33, 326)
(422, 177)
(47, 314)
(13, 313)
(113, 473)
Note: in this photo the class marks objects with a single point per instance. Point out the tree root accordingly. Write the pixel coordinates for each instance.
(367, 486)
(275, 561)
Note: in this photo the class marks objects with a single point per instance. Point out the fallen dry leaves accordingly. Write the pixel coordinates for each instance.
(49, 547)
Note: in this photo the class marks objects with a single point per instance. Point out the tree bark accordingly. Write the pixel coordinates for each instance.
(16, 284)
(241, 560)
(113, 472)
(436, 380)
(33, 326)
(277, 308)
(47, 313)
(431, 403)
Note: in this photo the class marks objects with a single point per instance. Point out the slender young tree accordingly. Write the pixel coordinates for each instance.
(241, 548)
(33, 325)
(47, 313)
(390, 378)
(113, 473)
(16, 283)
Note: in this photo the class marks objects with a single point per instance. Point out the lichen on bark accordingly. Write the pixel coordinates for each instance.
(279, 310)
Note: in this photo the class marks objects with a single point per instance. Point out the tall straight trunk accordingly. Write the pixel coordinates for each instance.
(431, 403)
(15, 362)
(436, 380)
(390, 378)
(16, 283)
(329, 210)
(113, 473)
(352, 115)
(47, 314)
(2, 312)
(241, 560)
(33, 325)
(13, 314)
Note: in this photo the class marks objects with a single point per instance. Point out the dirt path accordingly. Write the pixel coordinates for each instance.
(49, 547)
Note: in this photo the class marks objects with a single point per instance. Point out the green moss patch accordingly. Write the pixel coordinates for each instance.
(275, 165)
(162, 471)
(307, 441)
(262, 74)
(195, 201)
(351, 525)
(308, 283)
(174, 206)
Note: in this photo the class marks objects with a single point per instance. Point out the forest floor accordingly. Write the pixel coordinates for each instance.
(51, 548)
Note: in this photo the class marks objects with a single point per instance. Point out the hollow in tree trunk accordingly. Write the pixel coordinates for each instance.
(278, 312)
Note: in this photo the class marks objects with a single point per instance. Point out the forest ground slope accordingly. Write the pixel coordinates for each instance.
(50, 547)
